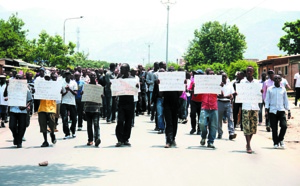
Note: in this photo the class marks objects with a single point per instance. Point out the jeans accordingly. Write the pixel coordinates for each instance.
(171, 118)
(123, 128)
(92, 118)
(274, 118)
(160, 113)
(182, 109)
(79, 109)
(17, 125)
(149, 97)
(195, 109)
(210, 123)
(224, 108)
(64, 108)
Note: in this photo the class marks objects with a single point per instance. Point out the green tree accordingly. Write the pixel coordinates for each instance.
(13, 43)
(51, 51)
(241, 65)
(215, 43)
(290, 42)
(216, 67)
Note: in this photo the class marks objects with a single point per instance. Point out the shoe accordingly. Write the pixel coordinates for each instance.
(67, 137)
(184, 121)
(202, 142)
(74, 135)
(15, 142)
(224, 120)
(160, 132)
(113, 121)
(198, 132)
(89, 143)
(210, 145)
(79, 129)
(126, 143)
(6, 121)
(192, 131)
(156, 129)
(2, 124)
(281, 143)
(45, 144)
(275, 146)
(23, 139)
(119, 144)
(219, 136)
(174, 143)
(268, 129)
(97, 142)
(108, 122)
(167, 145)
(53, 139)
(232, 136)
(19, 146)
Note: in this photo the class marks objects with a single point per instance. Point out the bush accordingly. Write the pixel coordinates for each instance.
(241, 65)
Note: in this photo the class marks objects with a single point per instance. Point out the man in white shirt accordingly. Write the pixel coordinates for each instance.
(249, 112)
(69, 91)
(225, 107)
(276, 104)
(297, 87)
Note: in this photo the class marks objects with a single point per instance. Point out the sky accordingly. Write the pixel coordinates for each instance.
(122, 20)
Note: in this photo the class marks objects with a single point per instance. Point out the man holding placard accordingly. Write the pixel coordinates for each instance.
(69, 91)
(250, 111)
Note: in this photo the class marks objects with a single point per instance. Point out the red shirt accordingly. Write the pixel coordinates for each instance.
(196, 98)
(209, 102)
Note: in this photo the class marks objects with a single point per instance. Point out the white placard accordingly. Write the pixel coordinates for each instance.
(171, 81)
(92, 93)
(17, 93)
(47, 90)
(207, 84)
(122, 87)
(248, 93)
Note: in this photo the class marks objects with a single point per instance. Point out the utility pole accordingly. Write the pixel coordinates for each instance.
(167, 3)
(149, 45)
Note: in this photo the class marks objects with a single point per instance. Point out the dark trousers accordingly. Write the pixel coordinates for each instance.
(142, 101)
(79, 109)
(36, 105)
(123, 128)
(64, 108)
(149, 102)
(171, 119)
(236, 107)
(274, 118)
(297, 96)
(92, 118)
(17, 125)
(103, 108)
(195, 110)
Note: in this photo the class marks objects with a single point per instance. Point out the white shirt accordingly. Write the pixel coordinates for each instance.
(250, 106)
(227, 89)
(276, 99)
(2, 89)
(69, 98)
(284, 82)
(297, 78)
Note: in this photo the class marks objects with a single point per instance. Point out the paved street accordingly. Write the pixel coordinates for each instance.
(71, 162)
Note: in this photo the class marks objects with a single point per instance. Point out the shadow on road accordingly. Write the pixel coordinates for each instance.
(52, 174)
(200, 148)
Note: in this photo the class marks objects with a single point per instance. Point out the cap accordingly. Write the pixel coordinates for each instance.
(199, 71)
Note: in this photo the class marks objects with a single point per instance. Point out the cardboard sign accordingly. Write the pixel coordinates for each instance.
(171, 81)
(92, 93)
(207, 84)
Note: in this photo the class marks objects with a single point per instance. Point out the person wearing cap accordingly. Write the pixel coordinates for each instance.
(69, 91)
(79, 104)
(276, 104)
(3, 102)
(46, 116)
(195, 105)
(266, 85)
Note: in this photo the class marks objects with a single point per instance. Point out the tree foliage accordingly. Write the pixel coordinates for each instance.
(290, 42)
(216, 67)
(13, 43)
(215, 43)
(241, 65)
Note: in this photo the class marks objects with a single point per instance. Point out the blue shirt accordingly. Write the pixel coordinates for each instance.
(80, 84)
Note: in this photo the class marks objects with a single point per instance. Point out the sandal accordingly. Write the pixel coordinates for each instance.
(44, 163)
(89, 143)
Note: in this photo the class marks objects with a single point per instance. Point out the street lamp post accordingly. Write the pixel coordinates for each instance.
(168, 3)
(65, 25)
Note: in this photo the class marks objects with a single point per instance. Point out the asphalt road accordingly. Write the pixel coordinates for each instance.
(146, 162)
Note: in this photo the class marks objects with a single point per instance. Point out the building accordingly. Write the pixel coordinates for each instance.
(288, 65)
(7, 65)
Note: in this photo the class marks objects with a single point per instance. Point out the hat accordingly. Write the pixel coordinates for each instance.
(67, 72)
(43, 69)
(271, 72)
(2, 76)
(199, 71)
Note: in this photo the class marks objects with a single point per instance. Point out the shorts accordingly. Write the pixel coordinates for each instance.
(46, 119)
(249, 121)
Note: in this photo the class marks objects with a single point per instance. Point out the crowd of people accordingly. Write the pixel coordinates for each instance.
(207, 112)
